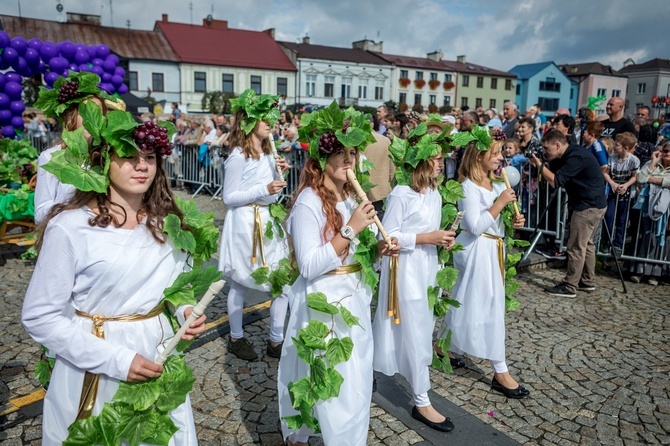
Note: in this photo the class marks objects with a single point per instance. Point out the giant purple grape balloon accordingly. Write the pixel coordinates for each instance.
(11, 76)
(51, 77)
(32, 56)
(2, 81)
(48, 51)
(5, 116)
(81, 56)
(4, 39)
(103, 51)
(17, 121)
(35, 44)
(67, 50)
(19, 44)
(123, 89)
(8, 131)
(10, 55)
(17, 107)
(4, 102)
(58, 64)
(13, 90)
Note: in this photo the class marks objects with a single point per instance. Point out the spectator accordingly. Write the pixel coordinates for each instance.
(513, 155)
(195, 135)
(525, 133)
(643, 112)
(382, 112)
(646, 143)
(531, 112)
(591, 136)
(511, 118)
(608, 143)
(616, 123)
(566, 125)
(468, 121)
(543, 118)
(176, 113)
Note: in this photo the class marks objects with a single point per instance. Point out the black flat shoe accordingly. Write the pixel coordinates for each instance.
(445, 426)
(518, 393)
(456, 363)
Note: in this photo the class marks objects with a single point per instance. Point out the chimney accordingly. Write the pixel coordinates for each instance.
(305, 39)
(270, 32)
(460, 59)
(368, 45)
(628, 62)
(435, 55)
(209, 22)
(83, 19)
(164, 18)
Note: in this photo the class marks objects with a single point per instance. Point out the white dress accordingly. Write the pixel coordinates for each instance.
(406, 348)
(245, 182)
(49, 191)
(478, 326)
(106, 271)
(343, 419)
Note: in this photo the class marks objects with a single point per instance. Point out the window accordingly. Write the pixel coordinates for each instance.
(464, 102)
(494, 83)
(447, 78)
(572, 93)
(200, 81)
(466, 80)
(311, 85)
(432, 98)
(227, 83)
(346, 87)
(157, 83)
(478, 102)
(548, 104)
(447, 100)
(492, 103)
(404, 73)
(433, 76)
(329, 87)
(616, 93)
(417, 98)
(402, 99)
(132, 81)
(550, 84)
(255, 82)
(641, 88)
(282, 86)
(480, 82)
(362, 88)
(379, 90)
(518, 89)
(602, 92)
(419, 75)
(508, 84)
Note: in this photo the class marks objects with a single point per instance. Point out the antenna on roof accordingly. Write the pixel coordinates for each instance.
(190, 6)
(111, 14)
(19, 8)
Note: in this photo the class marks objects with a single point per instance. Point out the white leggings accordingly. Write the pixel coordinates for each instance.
(422, 400)
(498, 366)
(236, 307)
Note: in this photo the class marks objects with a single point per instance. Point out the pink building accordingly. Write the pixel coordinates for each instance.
(596, 79)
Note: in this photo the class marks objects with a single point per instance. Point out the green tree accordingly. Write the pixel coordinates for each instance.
(217, 102)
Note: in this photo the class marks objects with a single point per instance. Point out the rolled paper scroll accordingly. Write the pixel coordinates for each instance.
(198, 310)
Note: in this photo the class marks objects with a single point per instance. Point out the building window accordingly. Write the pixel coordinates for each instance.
(492, 103)
(255, 84)
(362, 88)
(282, 86)
(447, 100)
(550, 84)
(346, 87)
(508, 84)
(329, 87)
(447, 77)
(132, 81)
(157, 83)
(417, 98)
(402, 99)
(379, 90)
(419, 75)
(311, 85)
(641, 88)
(602, 92)
(480, 82)
(200, 82)
(518, 89)
(478, 102)
(464, 102)
(432, 98)
(433, 76)
(572, 93)
(548, 104)
(228, 83)
(616, 93)
(494, 83)
(404, 74)
(466, 80)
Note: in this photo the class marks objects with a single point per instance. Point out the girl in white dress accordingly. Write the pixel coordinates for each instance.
(325, 226)
(106, 255)
(251, 183)
(413, 214)
(478, 325)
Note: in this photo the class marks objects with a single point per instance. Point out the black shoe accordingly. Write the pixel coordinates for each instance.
(518, 393)
(242, 349)
(560, 290)
(445, 426)
(584, 287)
(274, 352)
(456, 363)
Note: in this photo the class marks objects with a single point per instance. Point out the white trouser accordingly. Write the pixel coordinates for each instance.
(235, 312)
(499, 366)
(422, 400)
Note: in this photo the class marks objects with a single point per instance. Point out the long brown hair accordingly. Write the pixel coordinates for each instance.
(471, 163)
(157, 202)
(240, 139)
(422, 176)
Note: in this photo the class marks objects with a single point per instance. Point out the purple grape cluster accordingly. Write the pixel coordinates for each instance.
(328, 142)
(27, 171)
(69, 91)
(150, 137)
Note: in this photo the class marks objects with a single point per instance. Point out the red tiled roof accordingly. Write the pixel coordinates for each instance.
(131, 44)
(309, 51)
(220, 45)
(443, 65)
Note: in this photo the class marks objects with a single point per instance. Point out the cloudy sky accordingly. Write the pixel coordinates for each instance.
(498, 34)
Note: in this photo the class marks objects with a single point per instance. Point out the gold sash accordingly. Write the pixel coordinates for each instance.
(89, 389)
(393, 307)
(257, 244)
(345, 269)
(501, 252)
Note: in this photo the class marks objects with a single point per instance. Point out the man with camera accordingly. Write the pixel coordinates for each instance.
(578, 172)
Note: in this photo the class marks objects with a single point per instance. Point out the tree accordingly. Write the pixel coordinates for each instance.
(217, 102)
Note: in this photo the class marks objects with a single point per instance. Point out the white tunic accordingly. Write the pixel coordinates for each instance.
(109, 272)
(478, 326)
(245, 182)
(49, 191)
(343, 419)
(406, 348)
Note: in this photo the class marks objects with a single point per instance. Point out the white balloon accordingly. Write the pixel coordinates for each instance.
(513, 175)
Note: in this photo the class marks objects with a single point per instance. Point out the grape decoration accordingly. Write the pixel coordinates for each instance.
(27, 171)
(150, 137)
(69, 91)
(328, 143)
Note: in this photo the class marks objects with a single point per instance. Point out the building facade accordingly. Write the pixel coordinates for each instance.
(648, 84)
(478, 86)
(596, 80)
(545, 84)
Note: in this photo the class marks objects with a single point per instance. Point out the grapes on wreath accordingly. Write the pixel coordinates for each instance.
(328, 143)
(150, 137)
(69, 91)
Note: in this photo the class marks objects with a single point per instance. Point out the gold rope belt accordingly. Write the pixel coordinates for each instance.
(345, 269)
(89, 389)
(501, 252)
(393, 307)
(257, 243)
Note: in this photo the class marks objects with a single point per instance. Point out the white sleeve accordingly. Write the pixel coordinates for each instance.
(48, 294)
(314, 258)
(476, 220)
(46, 189)
(396, 211)
(232, 195)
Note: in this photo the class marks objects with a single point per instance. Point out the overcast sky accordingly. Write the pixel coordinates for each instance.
(497, 33)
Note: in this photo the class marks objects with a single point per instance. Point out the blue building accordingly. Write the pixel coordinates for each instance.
(545, 84)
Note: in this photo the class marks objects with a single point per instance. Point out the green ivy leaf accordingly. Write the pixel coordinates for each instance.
(43, 372)
(143, 395)
(348, 317)
(304, 352)
(269, 234)
(314, 334)
(353, 137)
(330, 385)
(452, 192)
(84, 432)
(175, 383)
(93, 120)
(449, 212)
(91, 179)
(181, 239)
(119, 132)
(446, 277)
(261, 275)
(278, 211)
(301, 391)
(433, 296)
(511, 304)
(319, 302)
(419, 131)
(339, 350)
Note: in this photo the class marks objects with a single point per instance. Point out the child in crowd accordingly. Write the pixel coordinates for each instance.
(590, 137)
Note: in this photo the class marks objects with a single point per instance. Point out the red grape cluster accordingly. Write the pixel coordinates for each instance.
(69, 91)
(27, 171)
(150, 137)
(328, 142)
